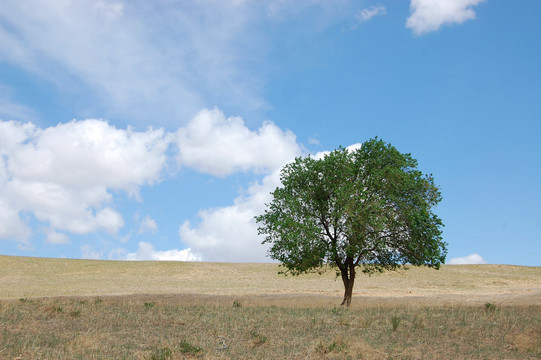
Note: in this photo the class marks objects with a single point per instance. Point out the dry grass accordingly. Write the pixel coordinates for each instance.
(78, 309)
(37, 277)
(160, 327)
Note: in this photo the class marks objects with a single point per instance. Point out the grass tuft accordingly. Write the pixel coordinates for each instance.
(149, 305)
(336, 346)
(164, 353)
(257, 338)
(187, 348)
(395, 322)
(490, 308)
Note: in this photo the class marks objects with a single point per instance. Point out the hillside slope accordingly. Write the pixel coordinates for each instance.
(22, 277)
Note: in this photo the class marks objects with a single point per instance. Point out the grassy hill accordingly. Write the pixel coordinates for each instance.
(83, 309)
(22, 277)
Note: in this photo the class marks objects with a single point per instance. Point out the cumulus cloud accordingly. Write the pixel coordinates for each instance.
(321, 154)
(368, 13)
(467, 260)
(216, 145)
(64, 174)
(146, 252)
(11, 225)
(87, 154)
(54, 237)
(67, 177)
(78, 211)
(230, 233)
(430, 15)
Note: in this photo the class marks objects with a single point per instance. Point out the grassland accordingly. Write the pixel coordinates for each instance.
(79, 309)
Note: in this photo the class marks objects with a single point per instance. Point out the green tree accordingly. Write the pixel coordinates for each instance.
(369, 208)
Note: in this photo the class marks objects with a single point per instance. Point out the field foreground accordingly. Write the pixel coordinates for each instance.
(79, 309)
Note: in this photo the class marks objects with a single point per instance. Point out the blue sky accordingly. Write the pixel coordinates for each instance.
(156, 130)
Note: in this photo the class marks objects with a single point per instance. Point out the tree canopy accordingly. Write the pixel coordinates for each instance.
(369, 207)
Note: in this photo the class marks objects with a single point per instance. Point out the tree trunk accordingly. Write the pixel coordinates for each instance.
(348, 277)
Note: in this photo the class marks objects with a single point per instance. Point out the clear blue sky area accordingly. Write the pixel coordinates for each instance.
(156, 130)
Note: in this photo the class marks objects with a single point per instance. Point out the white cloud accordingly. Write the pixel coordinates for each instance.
(54, 237)
(63, 174)
(217, 145)
(214, 144)
(159, 60)
(354, 147)
(75, 210)
(88, 253)
(67, 176)
(429, 15)
(146, 252)
(89, 153)
(148, 224)
(368, 13)
(467, 260)
(11, 225)
(230, 233)
(314, 141)
(173, 57)
(321, 154)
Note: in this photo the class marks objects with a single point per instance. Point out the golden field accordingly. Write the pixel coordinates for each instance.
(85, 309)
(22, 277)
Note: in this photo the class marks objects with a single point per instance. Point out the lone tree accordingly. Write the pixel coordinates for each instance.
(369, 207)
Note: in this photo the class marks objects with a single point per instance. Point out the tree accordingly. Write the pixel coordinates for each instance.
(368, 207)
